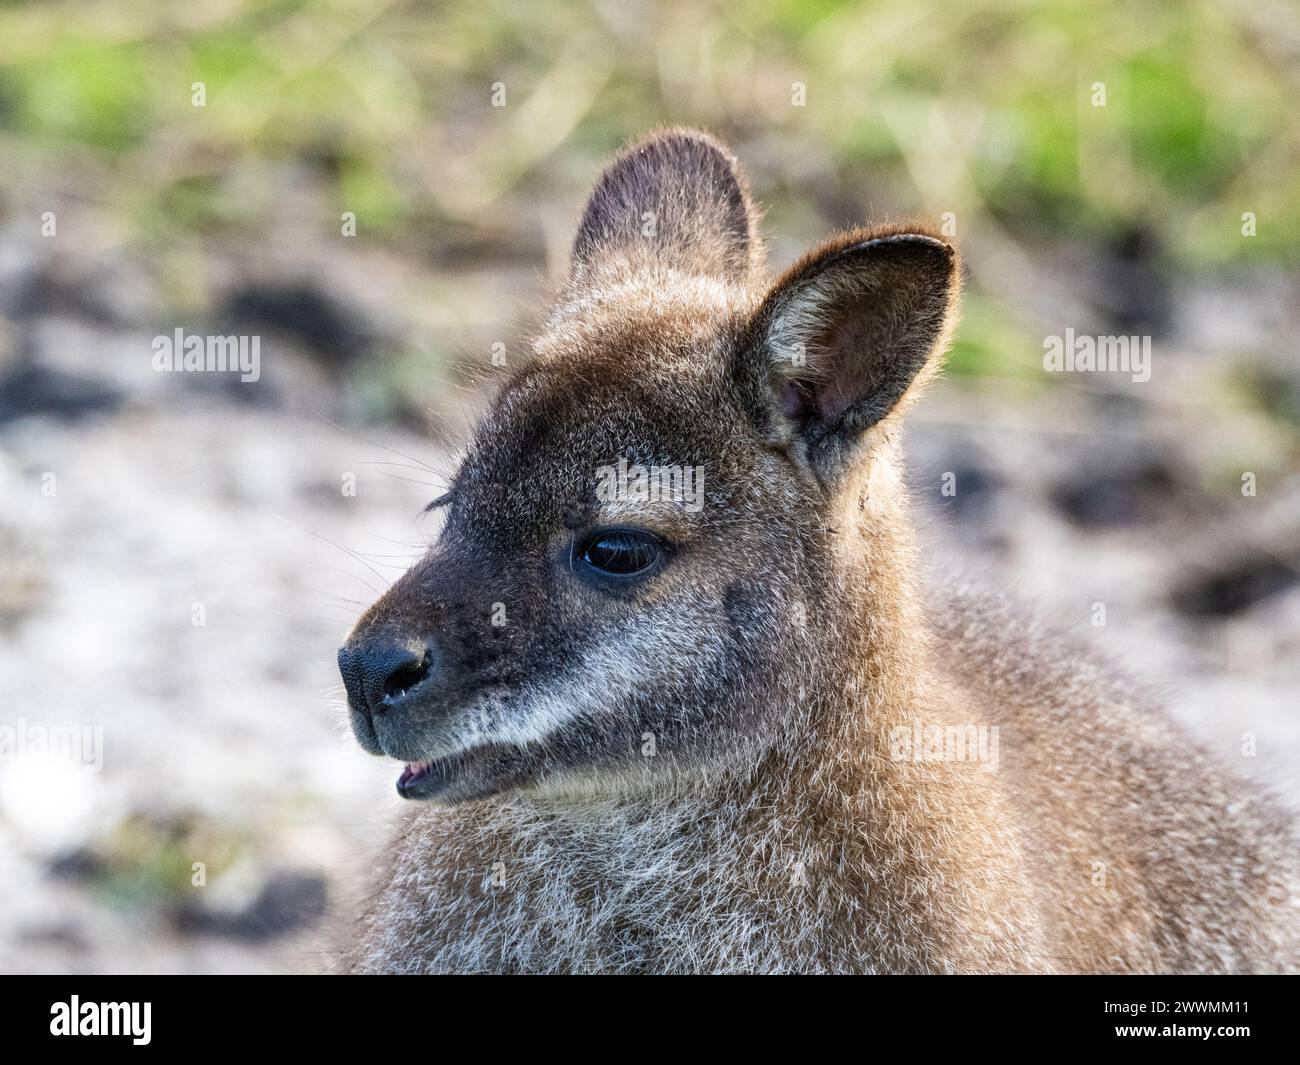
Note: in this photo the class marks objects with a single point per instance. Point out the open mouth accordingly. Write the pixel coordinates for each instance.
(469, 774)
(419, 780)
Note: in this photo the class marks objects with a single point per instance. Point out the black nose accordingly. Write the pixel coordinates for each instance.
(378, 675)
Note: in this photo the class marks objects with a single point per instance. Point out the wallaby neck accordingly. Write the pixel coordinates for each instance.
(875, 663)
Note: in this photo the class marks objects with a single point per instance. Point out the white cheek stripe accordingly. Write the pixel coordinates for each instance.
(600, 680)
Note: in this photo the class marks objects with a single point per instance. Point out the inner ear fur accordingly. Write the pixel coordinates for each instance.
(850, 329)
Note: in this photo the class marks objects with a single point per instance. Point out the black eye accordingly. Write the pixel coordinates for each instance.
(621, 552)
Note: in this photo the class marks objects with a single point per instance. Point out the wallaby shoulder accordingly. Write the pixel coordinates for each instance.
(1149, 852)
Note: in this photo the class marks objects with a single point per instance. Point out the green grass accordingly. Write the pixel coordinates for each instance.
(911, 104)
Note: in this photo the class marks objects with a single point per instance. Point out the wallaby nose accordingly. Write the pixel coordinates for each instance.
(379, 675)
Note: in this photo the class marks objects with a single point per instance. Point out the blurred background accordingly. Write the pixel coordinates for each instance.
(180, 554)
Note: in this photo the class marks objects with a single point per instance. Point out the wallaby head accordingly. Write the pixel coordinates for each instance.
(677, 518)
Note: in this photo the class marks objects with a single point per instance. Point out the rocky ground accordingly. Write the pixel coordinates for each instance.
(184, 498)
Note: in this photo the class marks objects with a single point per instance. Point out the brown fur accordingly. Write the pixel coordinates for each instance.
(770, 659)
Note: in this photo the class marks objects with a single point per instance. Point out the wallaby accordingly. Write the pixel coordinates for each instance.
(676, 697)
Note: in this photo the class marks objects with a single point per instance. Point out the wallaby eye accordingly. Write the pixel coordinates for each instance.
(621, 552)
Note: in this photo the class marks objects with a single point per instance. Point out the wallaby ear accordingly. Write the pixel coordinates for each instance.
(846, 333)
(676, 200)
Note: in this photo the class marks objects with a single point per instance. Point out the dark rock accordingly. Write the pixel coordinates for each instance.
(303, 310)
(975, 494)
(1135, 289)
(1234, 587)
(1123, 495)
(29, 389)
(80, 863)
(114, 292)
(287, 902)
